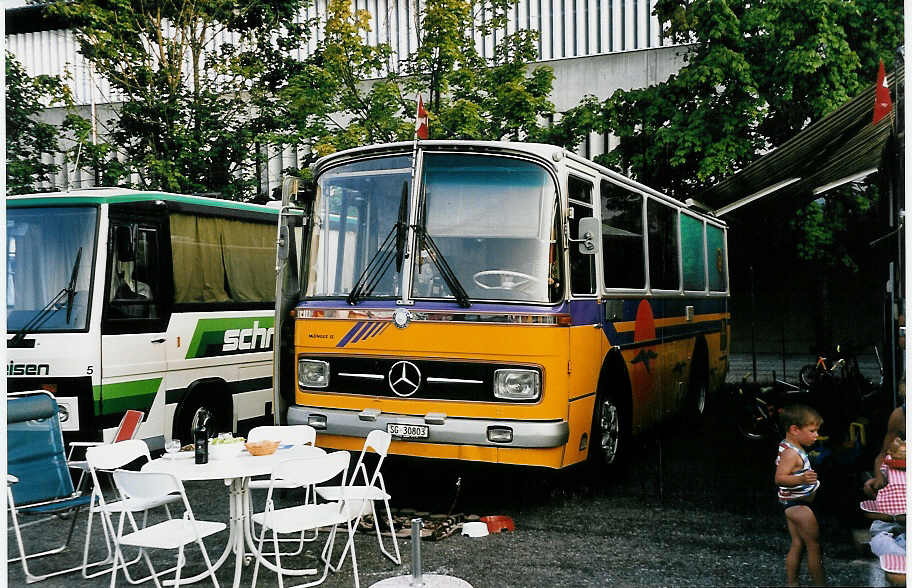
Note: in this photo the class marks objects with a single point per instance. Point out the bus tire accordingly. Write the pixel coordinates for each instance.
(610, 435)
(203, 397)
(698, 383)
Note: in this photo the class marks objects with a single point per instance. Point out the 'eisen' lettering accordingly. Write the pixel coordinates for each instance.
(27, 369)
(247, 339)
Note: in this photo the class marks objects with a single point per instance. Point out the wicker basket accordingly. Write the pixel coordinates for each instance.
(262, 447)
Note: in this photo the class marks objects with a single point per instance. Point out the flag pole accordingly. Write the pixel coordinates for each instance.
(405, 298)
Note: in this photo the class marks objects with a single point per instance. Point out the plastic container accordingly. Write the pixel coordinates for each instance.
(225, 450)
(498, 523)
(262, 447)
(475, 529)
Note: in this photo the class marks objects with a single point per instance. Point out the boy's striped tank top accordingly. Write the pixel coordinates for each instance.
(801, 490)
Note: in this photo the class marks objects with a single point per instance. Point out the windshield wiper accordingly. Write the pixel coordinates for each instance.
(376, 268)
(393, 245)
(71, 286)
(67, 293)
(440, 262)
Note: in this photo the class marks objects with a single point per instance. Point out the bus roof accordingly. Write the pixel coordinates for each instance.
(544, 151)
(118, 195)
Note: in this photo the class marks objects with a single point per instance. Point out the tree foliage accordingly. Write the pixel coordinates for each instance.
(197, 81)
(27, 138)
(755, 74)
(352, 93)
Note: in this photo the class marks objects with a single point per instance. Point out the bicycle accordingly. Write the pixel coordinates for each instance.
(757, 414)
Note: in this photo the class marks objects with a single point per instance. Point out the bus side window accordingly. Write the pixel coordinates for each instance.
(692, 254)
(715, 248)
(623, 252)
(133, 271)
(663, 245)
(582, 267)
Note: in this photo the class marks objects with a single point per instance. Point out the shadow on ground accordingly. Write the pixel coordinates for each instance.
(694, 506)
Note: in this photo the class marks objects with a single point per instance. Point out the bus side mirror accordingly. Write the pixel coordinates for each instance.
(298, 192)
(590, 233)
(123, 240)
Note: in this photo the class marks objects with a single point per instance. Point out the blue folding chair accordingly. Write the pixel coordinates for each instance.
(38, 479)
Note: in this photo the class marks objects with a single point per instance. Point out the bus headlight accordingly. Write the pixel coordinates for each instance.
(516, 384)
(313, 373)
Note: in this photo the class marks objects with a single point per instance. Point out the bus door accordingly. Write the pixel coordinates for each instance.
(586, 336)
(134, 320)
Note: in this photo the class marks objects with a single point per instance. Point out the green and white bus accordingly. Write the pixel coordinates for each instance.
(120, 299)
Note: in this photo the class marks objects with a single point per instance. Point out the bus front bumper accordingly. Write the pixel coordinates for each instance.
(441, 429)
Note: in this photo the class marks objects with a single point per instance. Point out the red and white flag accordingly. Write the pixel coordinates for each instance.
(883, 105)
(421, 120)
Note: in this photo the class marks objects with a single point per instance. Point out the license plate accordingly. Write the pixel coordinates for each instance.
(407, 431)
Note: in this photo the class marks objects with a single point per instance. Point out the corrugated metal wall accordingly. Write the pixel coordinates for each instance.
(568, 29)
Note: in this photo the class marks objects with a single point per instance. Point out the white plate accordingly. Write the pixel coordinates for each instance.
(179, 455)
(407, 431)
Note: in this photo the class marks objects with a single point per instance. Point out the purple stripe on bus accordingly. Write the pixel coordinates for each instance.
(351, 333)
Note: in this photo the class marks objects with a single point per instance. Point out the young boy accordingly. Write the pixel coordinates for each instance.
(797, 486)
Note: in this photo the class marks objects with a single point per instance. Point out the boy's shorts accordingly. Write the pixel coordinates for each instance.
(787, 504)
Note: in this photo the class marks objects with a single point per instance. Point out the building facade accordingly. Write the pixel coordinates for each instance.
(593, 46)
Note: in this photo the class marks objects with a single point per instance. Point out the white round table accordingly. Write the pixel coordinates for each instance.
(236, 472)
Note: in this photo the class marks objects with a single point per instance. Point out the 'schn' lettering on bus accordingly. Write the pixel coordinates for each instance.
(164, 303)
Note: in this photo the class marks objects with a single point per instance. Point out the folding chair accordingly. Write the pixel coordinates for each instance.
(106, 458)
(287, 435)
(372, 490)
(304, 472)
(170, 534)
(127, 429)
(38, 480)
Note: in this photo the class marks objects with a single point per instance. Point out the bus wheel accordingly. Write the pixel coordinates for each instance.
(608, 432)
(696, 403)
(191, 414)
(697, 386)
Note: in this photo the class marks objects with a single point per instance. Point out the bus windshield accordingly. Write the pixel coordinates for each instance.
(42, 248)
(356, 212)
(492, 220)
(489, 219)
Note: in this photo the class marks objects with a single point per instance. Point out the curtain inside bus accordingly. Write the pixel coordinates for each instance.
(222, 260)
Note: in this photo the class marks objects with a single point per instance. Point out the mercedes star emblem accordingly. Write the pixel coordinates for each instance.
(401, 317)
(404, 378)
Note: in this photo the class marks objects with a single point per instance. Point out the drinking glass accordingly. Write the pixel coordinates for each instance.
(172, 446)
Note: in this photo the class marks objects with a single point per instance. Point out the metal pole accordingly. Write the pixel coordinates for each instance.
(417, 579)
(753, 323)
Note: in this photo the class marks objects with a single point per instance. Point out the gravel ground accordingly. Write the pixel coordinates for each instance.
(694, 507)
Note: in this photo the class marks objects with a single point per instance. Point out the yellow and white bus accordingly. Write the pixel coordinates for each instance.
(119, 299)
(501, 302)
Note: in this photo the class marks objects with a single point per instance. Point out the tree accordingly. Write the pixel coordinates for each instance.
(197, 81)
(469, 97)
(28, 139)
(756, 74)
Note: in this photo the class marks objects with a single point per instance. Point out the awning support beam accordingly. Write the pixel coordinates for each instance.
(756, 195)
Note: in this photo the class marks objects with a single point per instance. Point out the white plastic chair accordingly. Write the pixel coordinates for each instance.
(170, 534)
(371, 489)
(126, 430)
(304, 472)
(286, 435)
(110, 457)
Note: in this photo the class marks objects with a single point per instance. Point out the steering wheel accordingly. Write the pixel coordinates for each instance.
(508, 279)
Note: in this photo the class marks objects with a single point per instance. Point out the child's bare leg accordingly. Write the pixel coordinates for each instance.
(793, 557)
(809, 532)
